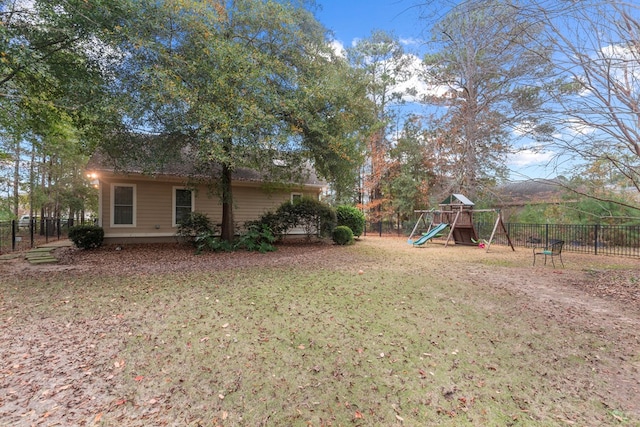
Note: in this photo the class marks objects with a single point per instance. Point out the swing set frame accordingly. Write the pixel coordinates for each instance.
(459, 212)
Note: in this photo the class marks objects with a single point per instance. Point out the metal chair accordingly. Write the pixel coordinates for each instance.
(554, 249)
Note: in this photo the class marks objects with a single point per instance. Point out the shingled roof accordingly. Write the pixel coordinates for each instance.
(186, 164)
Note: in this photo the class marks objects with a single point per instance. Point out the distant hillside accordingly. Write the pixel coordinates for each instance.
(532, 191)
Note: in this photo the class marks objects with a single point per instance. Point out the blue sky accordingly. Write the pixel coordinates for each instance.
(350, 20)
(356, 19)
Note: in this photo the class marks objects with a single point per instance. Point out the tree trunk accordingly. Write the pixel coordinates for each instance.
(16, 179)
(227, 232)
(32, 181)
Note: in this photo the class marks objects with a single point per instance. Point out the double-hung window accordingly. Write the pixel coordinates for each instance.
(183, 204)
(123, 212)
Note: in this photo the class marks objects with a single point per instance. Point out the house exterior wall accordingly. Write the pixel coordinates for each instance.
(153, 210)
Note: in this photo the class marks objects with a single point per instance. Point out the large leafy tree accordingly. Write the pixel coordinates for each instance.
(412, 170)
(53, 61)
(240, 83)
(386, 66)
(54, 57)
(493, 70)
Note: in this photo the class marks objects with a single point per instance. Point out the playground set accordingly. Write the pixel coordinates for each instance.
(456, 212)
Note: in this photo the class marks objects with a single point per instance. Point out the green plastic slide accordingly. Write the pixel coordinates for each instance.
(430, 235)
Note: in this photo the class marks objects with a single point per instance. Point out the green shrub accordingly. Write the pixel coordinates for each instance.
(272, 221)
(86, 236)
(352, 217)
(315, 217)
(257, 238)
(194, 225)
(207, 241)
(342, 235)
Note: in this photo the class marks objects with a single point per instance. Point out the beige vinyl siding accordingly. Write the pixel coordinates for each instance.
(252, 202)
(154, 206)
(208, 204)
(249, 203)
(155, 203)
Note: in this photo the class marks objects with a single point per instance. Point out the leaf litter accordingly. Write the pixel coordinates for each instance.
(79, 350)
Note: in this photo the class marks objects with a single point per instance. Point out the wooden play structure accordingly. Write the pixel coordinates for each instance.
(456, 212)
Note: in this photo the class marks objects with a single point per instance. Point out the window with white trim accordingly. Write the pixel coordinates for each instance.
(183, 204)
(123, 209)
(296, 197)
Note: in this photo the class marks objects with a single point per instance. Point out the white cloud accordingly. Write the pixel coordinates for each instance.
(614, 65)
(338, 48)
(624, 64)
(417, 84)
(579, 127)
(410, 41)
(415, 87)
(530, 157)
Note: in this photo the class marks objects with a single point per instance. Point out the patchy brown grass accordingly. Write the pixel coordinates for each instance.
(379, 333)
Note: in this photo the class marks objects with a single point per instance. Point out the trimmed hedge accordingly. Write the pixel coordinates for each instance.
(313, 216)
(342, 235)
(86, 236)
(351, 217)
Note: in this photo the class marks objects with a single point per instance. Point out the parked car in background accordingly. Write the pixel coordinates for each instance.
(24, 221)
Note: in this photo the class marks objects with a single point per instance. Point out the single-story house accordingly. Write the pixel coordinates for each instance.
(136, 206)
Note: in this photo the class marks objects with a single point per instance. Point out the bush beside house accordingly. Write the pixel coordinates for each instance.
(313, 216)
(351, 217)
(86, 236)
(342, 235)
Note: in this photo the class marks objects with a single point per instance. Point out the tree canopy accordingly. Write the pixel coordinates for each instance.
(493, 72)
(242, 83)
(597, 107)
(382, 60)
(254, 83)
(53, 61)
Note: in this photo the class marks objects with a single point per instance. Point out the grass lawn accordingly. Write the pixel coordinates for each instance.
(374, 334)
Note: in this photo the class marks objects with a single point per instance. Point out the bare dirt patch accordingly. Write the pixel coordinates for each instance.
(604, 303)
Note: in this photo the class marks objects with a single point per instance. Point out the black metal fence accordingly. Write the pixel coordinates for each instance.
(20, 235)
(598, 239)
